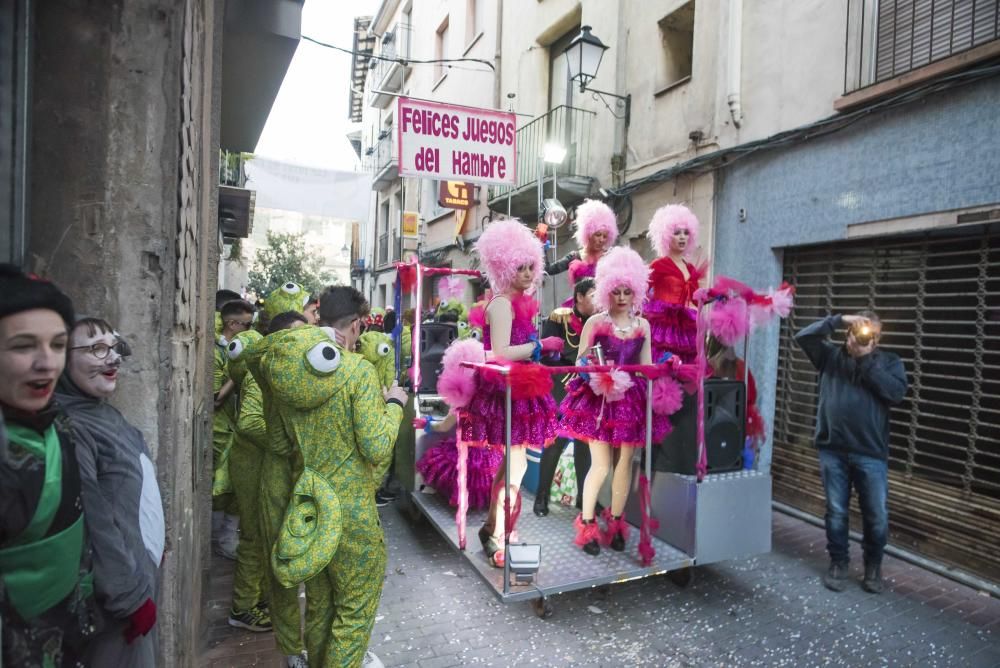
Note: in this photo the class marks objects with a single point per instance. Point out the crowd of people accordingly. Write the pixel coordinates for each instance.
(307, 410)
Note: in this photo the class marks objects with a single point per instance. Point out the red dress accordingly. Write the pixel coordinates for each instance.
(672, 322)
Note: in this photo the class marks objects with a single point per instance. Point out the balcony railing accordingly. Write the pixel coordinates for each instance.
(384, 160)
(232, 169)
(887, 39)
(388, 248)
(564, 126)
(386, 73)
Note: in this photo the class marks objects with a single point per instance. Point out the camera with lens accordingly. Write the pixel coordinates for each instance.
(863, 333)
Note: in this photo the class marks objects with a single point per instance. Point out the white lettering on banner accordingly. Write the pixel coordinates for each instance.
(452, 143)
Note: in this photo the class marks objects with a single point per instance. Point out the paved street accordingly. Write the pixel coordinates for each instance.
(767, 611)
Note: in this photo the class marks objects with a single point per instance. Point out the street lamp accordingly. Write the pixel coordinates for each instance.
(583, 58)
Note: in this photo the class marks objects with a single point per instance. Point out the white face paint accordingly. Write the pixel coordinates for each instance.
(95, 376)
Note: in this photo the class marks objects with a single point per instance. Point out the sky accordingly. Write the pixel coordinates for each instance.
(309, 121)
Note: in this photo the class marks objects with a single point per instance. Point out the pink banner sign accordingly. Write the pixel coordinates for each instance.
(454, 143)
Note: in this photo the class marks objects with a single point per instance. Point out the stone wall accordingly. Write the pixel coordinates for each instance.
(123, 197)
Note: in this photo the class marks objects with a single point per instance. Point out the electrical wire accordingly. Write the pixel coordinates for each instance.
(401, 61)
(710, 161)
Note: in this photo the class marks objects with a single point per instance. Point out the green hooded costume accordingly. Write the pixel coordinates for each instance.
(245, 457)
(330, 404)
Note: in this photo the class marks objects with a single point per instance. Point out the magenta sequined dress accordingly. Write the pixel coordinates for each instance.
(590, 416)
(533, 411)
(439, 470)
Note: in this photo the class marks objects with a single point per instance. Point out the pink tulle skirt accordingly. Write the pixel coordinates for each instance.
(673, 328)
(437, 467)
(533, 410)
(588, 416)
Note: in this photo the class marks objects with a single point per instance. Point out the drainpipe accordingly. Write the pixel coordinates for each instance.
(735, 61)
(497, 99)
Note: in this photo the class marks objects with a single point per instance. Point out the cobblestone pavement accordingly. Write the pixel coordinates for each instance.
(770, 610)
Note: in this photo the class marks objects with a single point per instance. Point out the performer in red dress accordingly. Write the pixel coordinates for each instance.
(673, 279)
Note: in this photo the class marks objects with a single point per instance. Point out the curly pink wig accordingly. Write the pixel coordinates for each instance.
(504, 246)
(594, 216)
(665, 221)
(620, 267)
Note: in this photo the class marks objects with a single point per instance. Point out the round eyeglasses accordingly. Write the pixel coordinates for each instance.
(100, 350)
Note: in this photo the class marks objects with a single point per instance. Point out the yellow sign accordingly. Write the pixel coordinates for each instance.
(411, 224)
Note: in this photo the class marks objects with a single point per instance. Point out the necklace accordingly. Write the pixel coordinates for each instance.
(622, 330)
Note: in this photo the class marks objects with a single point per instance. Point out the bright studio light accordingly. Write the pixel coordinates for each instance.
(553, 153)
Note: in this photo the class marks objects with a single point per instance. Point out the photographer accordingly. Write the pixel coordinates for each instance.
(857, 383)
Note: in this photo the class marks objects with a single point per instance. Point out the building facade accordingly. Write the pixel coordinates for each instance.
(849, 148)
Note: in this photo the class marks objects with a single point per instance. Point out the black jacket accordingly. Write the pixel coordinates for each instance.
(852, 414)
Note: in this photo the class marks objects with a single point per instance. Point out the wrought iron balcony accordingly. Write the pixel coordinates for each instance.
(885, 40)
(232, 168)
(384, 160)
(387, 74)
(567, 127)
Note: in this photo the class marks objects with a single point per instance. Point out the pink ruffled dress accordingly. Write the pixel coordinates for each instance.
(601, 417)
(533, 411)
(438, 466)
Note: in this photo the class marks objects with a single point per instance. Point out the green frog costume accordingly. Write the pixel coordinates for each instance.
(245, 458)
(279, 466)
(331, 405)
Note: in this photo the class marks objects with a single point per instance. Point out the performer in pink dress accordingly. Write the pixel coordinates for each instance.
(673, 280)
(608, 409)
(596, 231)
(511, 259)
(439, 466)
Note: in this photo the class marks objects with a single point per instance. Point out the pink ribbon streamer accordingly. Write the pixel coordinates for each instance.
(463, 491)
(648, 525)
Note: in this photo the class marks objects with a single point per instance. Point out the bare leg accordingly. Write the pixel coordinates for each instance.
(518, 467)
(600, 465)
(621, 481)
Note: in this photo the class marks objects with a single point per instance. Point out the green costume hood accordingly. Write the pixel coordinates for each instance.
(237, 366)
(289, 297)
(377, 348)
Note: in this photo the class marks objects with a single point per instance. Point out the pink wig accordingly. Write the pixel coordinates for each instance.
(504, 246)
(594, 216)
(668, 219)
(620, 267)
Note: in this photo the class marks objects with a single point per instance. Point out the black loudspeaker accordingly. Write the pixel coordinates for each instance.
(435, 337)
(725, 428)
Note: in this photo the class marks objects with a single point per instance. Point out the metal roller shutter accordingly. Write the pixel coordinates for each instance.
(939, 299)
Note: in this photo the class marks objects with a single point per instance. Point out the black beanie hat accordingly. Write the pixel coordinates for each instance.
(19, 292)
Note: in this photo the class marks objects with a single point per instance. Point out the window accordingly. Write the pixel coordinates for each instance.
(474, 25)
(677, 38)
(440, 50)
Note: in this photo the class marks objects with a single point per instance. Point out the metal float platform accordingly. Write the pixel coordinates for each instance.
(564, 566)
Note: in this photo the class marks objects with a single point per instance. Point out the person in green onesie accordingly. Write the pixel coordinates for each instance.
(237, 316)
(344, 423)
(249, 579)
(278, 468)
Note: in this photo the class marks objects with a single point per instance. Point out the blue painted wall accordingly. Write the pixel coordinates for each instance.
(937, 154)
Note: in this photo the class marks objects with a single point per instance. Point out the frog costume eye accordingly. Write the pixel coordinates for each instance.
(477, 334)
(235, 349)
(291, 288)
(383, 349)
(462, 326)
(324, 358)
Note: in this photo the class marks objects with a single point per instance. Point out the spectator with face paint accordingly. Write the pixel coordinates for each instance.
(121, 498)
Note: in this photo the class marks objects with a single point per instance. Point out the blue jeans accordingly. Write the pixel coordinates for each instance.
(869, 476)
